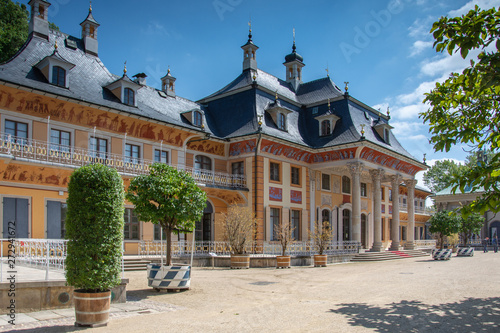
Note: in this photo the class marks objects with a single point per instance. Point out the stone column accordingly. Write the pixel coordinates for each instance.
(355, 169)
(395, 181)
(377, 209)
(410, 185)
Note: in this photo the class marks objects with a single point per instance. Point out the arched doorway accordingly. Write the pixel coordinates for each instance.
(346, 224)
(203, 230)
(363, 231)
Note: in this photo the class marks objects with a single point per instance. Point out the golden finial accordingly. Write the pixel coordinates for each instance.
(362, 129)
(125, 68)
(168, 71)
(90, 7)
(327, 71)
(294, 35)
(276, 95)
(202, 127)
(346, 85)
(388, 112)
(425, 158)
(254, 77)
(250, 25)
(260, 119)
(328, 104)
(55, 46)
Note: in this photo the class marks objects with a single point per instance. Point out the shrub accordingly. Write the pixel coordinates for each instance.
(238, 224)
(94, 228)
(322, 235)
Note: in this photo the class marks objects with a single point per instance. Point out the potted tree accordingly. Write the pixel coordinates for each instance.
(469, 226)
(238, 225)
(321, 236)
(284, 235)
(171, 199)
(94, 229)
(443, 224)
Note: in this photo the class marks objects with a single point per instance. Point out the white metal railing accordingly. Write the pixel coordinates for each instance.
(45, 152)
(425, 244)
(46, 254)
(148, 249)
(418, 210)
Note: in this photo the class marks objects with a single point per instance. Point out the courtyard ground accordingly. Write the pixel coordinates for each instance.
(407, 295)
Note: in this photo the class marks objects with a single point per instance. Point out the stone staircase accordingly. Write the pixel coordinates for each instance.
(388, 255)
(135, 264)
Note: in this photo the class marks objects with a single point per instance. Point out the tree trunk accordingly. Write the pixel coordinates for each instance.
(168, 235)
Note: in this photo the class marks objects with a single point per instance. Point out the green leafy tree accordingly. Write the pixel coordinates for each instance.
(464, 109)
(13, 28)
(440, 175)
(470, 225)
(169, 198)
(444, 224)
(94, 228)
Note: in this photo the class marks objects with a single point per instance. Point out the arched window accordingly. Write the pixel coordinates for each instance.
(325, 215)
(346, 227)
(202, 163)
(346, 185)
(128, 97)
(325, 127)
(281, 121)
(197, 121)
(58, 76)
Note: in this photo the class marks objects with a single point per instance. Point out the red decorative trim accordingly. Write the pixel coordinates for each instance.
(374, 156)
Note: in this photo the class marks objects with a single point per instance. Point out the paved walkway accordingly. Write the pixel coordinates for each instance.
(410, 295)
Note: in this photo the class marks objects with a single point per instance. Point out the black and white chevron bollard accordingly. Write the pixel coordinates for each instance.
(442, 254)
(169, 277)
(465, 252)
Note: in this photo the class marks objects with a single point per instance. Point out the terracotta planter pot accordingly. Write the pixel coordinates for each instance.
(91, 309)
(239, 261)
(320, 260)
(169, 277)
(282, 261)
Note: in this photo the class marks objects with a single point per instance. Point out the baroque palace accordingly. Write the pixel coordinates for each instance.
(292, 150)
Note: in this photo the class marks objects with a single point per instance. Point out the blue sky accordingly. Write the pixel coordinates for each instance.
(383, 47)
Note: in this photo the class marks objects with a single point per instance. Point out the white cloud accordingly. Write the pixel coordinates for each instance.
(418, 137)
(419, 46)
(410, 111)
(445, 64)
(420, 28)
(483, 4)
(155, 28)
(405, 129)
(433, 161)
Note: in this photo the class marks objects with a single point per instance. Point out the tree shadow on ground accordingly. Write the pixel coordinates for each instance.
(150, 293)
(469, 315)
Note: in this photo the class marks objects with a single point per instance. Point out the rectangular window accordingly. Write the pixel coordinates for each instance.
(421, 204)
(131, 226)
(363, 190)
(157, 234)
(237, 168)
(17, 130)
(382, 193)
(275, 222)
(295, 224)
(390, 194)
(295, 175)
(161, 156)
(325, 182)
(98, 147)
(56, 218)
(403, 233)
(274, 170)
(60, 140)
(132, 153)
(404, 201)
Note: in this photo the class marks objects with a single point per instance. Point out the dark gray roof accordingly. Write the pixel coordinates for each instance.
(88, 79)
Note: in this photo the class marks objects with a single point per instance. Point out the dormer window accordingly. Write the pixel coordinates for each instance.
(384, 130)
(197, 119)
(325, 127)
(128, 96)
(58, 76)
(281, 121)
(386, 136)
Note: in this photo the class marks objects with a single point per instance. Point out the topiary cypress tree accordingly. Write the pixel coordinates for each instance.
(94, 228)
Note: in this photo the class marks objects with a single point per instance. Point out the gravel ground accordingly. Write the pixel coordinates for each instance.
(407, 295)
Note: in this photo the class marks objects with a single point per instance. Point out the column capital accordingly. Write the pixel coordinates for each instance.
(396, 179)
(355, 168)
(377, 174)
(410, 183)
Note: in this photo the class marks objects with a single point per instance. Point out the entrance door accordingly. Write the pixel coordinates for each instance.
(203, 230)
(16, 211)
(346, 224)
(363, 231)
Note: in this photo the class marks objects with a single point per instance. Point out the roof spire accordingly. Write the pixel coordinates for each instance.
(250, 30)
(327, 71)
(90, 7)
(293, 47)
(328, 105)
(125, 68)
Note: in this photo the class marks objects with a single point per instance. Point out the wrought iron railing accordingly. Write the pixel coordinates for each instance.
(45, 152)
(150, 249)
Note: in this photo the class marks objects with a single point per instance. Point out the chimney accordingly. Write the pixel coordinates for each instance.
(140, 78)
(39, 23)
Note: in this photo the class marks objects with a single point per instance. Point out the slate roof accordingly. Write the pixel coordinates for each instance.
(88, 79)
(467, 189)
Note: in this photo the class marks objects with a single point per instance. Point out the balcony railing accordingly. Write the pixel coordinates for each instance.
(55, 154)
(418, 210)
(150, 249)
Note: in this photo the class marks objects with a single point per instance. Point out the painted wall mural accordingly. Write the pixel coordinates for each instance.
(275, 194)
(226, 195)
(343, 154)
(34, 175)
(295, 196)
(374, 156)
(242, 147)
(209, 147)
(41, 106)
